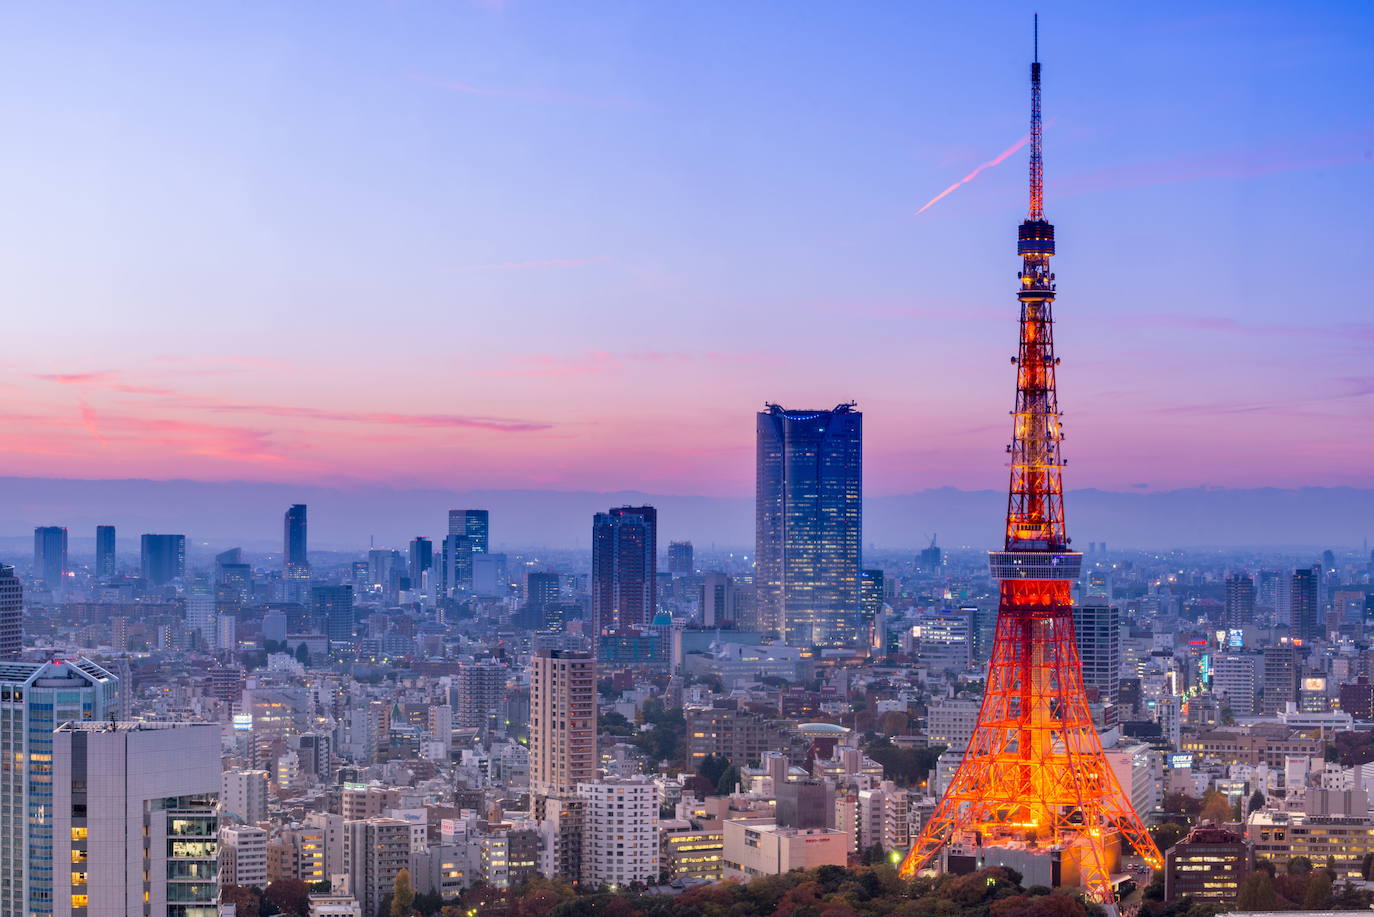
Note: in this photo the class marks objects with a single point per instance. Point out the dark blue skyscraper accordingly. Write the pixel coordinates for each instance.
(295, 560)
(162, 558)
(332, 607)
(50, 554)
(808, 526)
(475, 525)
(104, 551)
(624, 568)
(421, 559)
(11, 614)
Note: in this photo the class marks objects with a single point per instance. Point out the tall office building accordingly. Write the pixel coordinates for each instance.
(870, 602)
(134, 820)
(50, 554)
(333, 607)
(1097, 631)
(11, 614)
(104, 551)
(717, 600)
(421, 558)
(1306, 615)
(455, 563)
(1240, 601)
(295, 558)
(475, 525)
(375, 851)
(624, 568)
(562, 721)
(36, 698)
(162, 558)
(808, 525)
(243, 796)
(478, 689)
(681, 559)
(200, 613)
(1235, 684)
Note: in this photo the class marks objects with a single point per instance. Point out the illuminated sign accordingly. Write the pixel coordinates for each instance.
(243, 722)
(1180, 760)
(1314, 684)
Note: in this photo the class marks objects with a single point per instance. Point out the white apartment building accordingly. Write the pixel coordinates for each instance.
(243, 856)
(619, 831)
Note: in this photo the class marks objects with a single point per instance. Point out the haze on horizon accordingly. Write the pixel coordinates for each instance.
(523, 246)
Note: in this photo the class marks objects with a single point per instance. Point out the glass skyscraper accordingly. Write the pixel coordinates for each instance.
(50, 554)
(295, 559)
(105, 551)
(36, 698)
(808, 526)
(163, 558)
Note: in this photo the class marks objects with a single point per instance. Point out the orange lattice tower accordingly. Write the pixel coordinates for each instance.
(1034, 775)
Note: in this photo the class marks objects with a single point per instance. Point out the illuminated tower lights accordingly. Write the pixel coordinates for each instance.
(1034, 775)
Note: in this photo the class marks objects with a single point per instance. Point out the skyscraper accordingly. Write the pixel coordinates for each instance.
(50, 554)
(473, 523)
(680, 558)
(1240, 601)
(624, 567)
(562, 721)
(421, 559)
(133, 818)
(295, 559)
(809, 518)
(162, 558)
(455, 563)
(333, 606)
(717, 600)
(104, 551)
(1305, 604)
(11, 614)
(200, 613)
(1097, 630)
(36, 698)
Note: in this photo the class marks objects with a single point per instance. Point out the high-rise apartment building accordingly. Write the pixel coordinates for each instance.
(562, 721)
(295, 557)
(162, 558)
(36, 698)
(375, 850)
(243, 796)
(1306, 613)
(50, 554)
(243, 856)
(478, 689)
(11, 614)
(624, 562)
(620, 841)
(333, 607)
(1097, 631)
(808, 525)
(1282, 666)
(1240, 601)
(133, 820)
(681, 558)
(104, 551)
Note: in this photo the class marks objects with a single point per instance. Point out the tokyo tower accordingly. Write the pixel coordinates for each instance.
(1034, 776)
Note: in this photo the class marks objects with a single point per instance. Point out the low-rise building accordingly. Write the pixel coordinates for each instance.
(1210, 864)
(759, 847)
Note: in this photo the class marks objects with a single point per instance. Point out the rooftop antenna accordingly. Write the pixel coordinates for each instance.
(1037, 167)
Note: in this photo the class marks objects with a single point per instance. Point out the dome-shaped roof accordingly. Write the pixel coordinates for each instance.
(822, 728)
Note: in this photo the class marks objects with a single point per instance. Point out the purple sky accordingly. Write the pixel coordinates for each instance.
(515, 245)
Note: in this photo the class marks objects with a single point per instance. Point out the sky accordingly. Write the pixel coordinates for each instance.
(576, 246)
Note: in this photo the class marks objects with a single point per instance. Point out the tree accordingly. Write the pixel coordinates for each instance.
(1257, 893)
(244, 901)
(1256, 801)
(1367, 866)
(712, 767)
(402, 895)
(289, 896)
(303, 653)
(1215, 808)
(728, 779)
(1299, 866)
(1318, 894)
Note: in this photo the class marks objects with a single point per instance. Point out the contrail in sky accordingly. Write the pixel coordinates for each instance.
(974, 174)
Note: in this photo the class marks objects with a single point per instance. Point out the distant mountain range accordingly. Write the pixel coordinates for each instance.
(224, 514)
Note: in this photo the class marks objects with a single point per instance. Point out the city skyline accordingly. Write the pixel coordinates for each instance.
(194, 340)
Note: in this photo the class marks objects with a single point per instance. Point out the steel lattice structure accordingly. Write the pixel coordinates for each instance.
(1034, 774)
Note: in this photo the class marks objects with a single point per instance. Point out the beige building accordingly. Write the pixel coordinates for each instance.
(1337, 825)
(758, 847)
(1267, 743)
(562, 721)
(692, 853)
